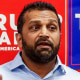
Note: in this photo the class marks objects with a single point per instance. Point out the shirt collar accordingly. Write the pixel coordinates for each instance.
(58, 69)
(59, 65)
(17, 62)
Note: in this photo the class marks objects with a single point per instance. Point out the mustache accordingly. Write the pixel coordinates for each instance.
(44, 41)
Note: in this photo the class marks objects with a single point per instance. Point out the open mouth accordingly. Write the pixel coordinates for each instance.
(44, 44)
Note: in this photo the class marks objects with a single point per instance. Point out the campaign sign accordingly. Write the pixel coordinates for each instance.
(74, 34)
(9, 12)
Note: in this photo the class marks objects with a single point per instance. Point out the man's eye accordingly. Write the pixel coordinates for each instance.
(34, 28)
(52, 27)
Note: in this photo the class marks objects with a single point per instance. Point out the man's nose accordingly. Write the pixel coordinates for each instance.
(44, 32)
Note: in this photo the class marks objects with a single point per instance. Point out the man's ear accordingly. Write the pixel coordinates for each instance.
(19, 39)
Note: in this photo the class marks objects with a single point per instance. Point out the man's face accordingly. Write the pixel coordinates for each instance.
(40, 35)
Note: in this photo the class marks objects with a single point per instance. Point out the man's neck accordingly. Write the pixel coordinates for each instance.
(41, 69)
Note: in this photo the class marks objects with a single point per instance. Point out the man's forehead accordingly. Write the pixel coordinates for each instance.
(40, 14)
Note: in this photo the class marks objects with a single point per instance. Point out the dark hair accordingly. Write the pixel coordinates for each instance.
(38, 6)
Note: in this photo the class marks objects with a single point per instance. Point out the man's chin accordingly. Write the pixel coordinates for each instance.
(44, 52)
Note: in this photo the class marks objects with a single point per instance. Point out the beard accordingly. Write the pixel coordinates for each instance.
(42, 55)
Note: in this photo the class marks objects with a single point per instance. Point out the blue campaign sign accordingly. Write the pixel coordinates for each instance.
(74, 34)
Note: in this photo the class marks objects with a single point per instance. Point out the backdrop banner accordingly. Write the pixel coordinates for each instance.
(69, 13)
(74, 34)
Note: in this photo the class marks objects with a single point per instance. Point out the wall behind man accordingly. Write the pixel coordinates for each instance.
(9, 12)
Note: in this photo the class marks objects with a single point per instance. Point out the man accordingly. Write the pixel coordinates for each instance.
(39, 37)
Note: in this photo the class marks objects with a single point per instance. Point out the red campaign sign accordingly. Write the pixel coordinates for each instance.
(9, 12)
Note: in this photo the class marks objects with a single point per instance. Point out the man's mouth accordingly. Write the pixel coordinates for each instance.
(44, 44)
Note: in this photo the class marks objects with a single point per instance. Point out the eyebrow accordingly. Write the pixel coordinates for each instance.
(35, 21)
(52, 20)
(38, 21)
